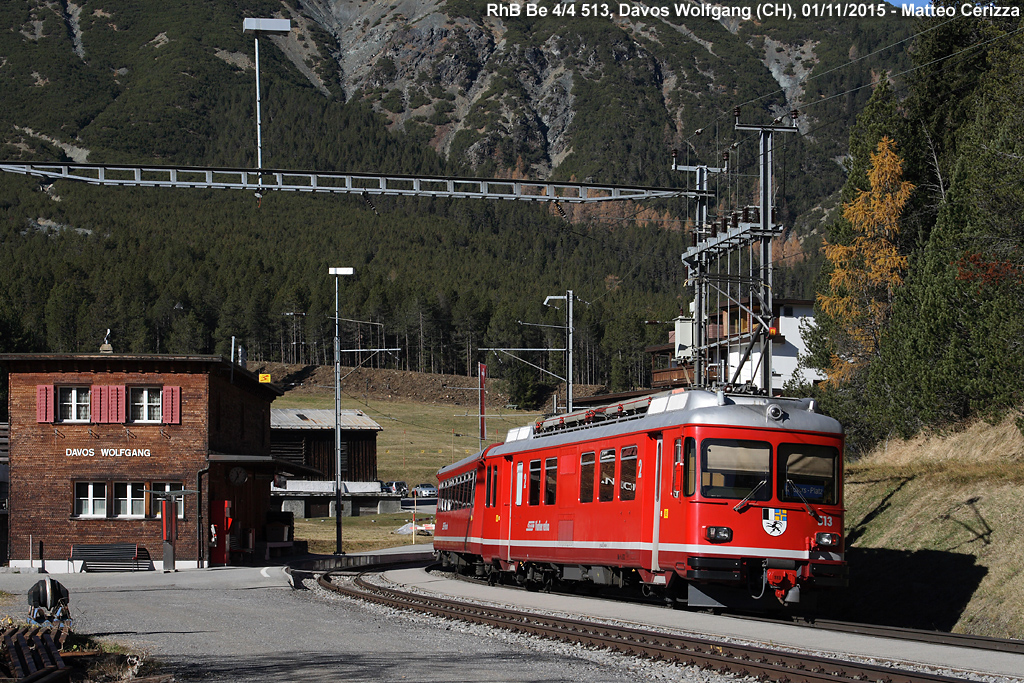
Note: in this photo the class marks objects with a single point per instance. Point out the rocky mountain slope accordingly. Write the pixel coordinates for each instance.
(557, 94)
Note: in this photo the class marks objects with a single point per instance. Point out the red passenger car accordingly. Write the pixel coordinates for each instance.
(709, 499)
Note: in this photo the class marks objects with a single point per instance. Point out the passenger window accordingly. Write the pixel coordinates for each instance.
(550, 480)
(587, 478)
(808, 472)
(627, 474)
(677, 467)
(606, 488)
(690, 466)
(494, 488)
(737, 469)
(534, 482)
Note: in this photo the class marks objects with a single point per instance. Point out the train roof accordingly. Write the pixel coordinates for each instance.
(665, 409)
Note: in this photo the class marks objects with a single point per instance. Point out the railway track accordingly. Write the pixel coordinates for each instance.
(880, 631)
(743, 660)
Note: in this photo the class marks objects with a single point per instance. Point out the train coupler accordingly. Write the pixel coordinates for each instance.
(784, 583)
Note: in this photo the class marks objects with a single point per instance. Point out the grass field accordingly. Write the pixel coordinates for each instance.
(359, 534)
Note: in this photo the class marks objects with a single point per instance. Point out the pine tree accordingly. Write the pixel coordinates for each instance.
(955, 347)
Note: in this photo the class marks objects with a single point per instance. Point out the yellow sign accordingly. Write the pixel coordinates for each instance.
(265, 378)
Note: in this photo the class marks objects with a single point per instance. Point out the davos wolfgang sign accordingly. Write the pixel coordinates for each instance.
(108, 452)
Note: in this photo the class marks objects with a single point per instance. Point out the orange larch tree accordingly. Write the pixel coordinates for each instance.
(867, 271)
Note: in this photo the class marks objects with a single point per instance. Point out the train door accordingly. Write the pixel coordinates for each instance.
(680, 468)
(488, 507)
(567, 488)
(657, 503)
(515, 496)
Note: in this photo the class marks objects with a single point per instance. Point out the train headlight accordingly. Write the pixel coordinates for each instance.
(826, 540)
(718, 534)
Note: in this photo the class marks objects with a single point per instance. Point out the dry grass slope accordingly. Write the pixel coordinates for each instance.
(936, 530)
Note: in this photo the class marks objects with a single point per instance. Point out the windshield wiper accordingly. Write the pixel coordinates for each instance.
(810, 510)
(740, 506)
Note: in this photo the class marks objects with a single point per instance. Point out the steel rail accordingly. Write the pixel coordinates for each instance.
(197, 177)
(923, 636)
(720, 656)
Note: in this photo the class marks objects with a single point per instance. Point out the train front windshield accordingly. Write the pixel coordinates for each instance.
(733, 468)
(808, 472)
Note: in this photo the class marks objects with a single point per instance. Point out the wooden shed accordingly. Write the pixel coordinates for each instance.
(306, 437)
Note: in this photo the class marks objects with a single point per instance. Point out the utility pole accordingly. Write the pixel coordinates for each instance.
(338, 506)
(701, 227)
(568, 298)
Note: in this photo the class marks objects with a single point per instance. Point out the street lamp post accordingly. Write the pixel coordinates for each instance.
(337, 272)
(262, 26)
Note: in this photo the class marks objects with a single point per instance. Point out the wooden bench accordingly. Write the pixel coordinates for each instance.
(33, 653)
(110, 557)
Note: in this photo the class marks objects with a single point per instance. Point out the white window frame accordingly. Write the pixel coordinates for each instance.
(94, 503)
(126, 495)
(148, 399)
(167, 487)
(78, 403)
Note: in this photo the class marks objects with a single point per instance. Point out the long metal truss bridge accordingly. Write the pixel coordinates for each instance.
(365, 184)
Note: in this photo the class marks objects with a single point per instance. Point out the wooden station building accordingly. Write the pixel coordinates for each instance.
(95, 439)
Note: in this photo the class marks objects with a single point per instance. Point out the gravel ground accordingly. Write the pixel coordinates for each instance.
(238, 624)
(570, 662)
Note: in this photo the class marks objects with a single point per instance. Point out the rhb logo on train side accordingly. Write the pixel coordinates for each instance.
(533, 525)
(774, 521)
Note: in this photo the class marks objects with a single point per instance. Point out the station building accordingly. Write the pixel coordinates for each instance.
(95, 439)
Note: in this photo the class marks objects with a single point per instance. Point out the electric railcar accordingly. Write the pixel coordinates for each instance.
(708, 499)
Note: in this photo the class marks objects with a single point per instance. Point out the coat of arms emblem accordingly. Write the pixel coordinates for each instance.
(773, 520)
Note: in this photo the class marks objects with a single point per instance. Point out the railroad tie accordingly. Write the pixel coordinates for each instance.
(12, 654)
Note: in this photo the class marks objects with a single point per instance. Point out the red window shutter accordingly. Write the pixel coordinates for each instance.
(45, 409)
(96, 404)
(118, 404)
(171, 405)
(111, 404)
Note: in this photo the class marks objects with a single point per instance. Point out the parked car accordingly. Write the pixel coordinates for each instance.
(399, 487)
(425, 491)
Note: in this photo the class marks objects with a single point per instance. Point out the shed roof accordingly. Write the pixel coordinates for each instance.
(304, 418)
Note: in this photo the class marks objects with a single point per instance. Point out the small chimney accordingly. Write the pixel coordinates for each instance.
(105, 347)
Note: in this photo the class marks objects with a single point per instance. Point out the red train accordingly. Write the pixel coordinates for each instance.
(714, 500)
